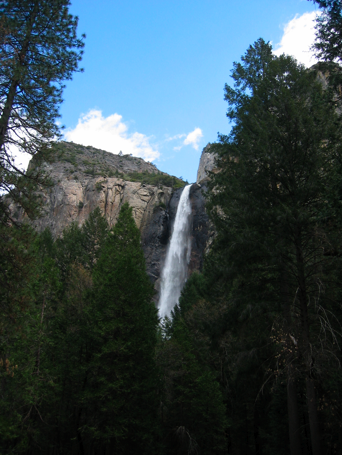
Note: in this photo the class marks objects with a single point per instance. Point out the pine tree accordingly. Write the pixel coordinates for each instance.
(95, 231)
(270, 205)
(123, 387)
(192, 407)
(39, 50)
(329, 31)
(24, 341)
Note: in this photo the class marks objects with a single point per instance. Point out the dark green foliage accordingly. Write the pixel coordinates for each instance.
(98, 186)
(77, 362)
(329, 31)
(193, 408)
(81, 245)
(125, 323)
(69, 249)
(272, 205)
(232, 347)
(26, 382)
(39, 50)
(95, 231)
(160, 206)
(193, 291)
(193, 412)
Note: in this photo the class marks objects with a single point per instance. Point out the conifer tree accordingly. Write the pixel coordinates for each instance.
(39, 50)
(270, 204)
(193, 411)
(95, 231)
(124, 382)
(24, 341)
(329, 31)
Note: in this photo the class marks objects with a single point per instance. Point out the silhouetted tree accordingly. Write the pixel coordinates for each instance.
(270, 204)
(39, 50)
(329, 31)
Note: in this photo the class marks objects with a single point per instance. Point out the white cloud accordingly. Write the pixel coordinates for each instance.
(110, 134)
(21, 160)
(298, 37)
(193, 138)
(173, 138)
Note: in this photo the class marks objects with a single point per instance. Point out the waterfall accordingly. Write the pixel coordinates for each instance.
(175, 269)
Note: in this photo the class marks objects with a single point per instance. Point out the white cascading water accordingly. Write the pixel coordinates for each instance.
(175, 269)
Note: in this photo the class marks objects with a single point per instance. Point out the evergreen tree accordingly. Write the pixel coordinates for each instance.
(122, 388)
(329, 31)
(81, 245)
(26, 386)
(270, 205)
(193, 409)
(193, 290)
(69, 249)
(68, 355)
(39, 50)
(95, 231)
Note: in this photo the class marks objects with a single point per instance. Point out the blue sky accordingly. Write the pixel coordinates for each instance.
(154, 71)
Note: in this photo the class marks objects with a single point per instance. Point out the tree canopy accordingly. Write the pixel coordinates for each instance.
(250, 360)
(270, 202)
(329, 31)
(39, 50)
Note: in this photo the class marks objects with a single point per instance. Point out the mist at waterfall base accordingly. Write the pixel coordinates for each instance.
(175, 270)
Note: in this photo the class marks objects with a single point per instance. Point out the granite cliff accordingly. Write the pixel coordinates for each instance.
(83, 178)
(206, 164)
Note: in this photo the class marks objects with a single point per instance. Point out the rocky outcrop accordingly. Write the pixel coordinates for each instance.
(202, 231)
(157, 235)
(84, 178)
(72, 200)
(206, 164)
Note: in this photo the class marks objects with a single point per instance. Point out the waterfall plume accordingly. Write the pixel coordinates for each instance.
(175, 269)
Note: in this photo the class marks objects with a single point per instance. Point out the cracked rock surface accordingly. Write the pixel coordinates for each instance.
(84, 178)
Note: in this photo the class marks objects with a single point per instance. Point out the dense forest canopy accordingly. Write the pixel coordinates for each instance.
(275, 205)
(250, 360)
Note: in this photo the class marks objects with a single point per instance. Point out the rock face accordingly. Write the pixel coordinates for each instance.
(73, 200)
(156, 236)
(85, 178)
(201, 232)
(154, 241)
(206, 164)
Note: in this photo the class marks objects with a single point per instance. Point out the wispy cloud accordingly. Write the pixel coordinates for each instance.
(194, 138)
(110, 134)
(298, 37)
(173, 138)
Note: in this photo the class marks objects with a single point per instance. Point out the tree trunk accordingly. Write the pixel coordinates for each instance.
(6, 113)
(19, 65)
(313, 417)
(294, 426)
(292, 399)
(307, 348)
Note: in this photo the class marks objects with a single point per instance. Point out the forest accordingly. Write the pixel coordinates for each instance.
(249, 363)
